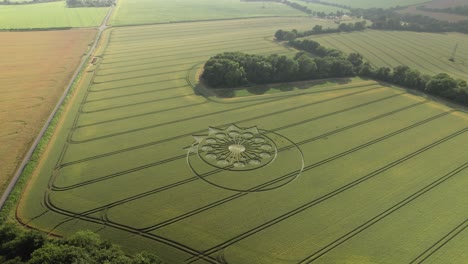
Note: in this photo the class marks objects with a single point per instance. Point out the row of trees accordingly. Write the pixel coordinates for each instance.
(233, 69)
(18, 246)
(302, 8)
(390, 19)
(459, 10)
(297, 6)
(281, 35)
(89, 3)
(442, 84)
(25, 2)
(383, 19)
(386, 19)
(328, 4)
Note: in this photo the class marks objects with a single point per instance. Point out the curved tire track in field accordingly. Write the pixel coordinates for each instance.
(309, 167)
(204, 255)
(298, 210)
(275, 180)
(204, 208)
(42, 132)
(274, 130)
(153, 237)
(122, 227)
(55, 188)
(206, 115)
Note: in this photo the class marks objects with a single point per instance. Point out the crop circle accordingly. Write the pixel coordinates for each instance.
(235, 148)
(236, 159)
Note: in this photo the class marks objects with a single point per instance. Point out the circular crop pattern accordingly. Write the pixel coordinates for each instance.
(236, 149)
(236, 159)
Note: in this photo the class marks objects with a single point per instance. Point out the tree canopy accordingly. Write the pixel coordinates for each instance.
(233, 69)
(89, 3)
(392, 20)
(281, 35)
(32, 247)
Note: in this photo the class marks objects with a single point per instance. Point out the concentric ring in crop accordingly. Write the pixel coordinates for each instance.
(245, 159)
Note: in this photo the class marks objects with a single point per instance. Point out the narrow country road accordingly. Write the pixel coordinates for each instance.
(33, 147)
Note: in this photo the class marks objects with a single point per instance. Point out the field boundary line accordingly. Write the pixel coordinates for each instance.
(225, 124)
(153, 237)
(384, 214)
(198, 116)
(312, 203)
(273, 130)
(381, 42)
(191, 57)
(89, 90)
(197, 21)
(205, 255)
(441, 243)
(264, 184)
(311, 166)
(146, 47)
(197, 48)
(42, 132)
(138, 103)
(423, 56)
(137, 94)
(207, 54)
(196, 211)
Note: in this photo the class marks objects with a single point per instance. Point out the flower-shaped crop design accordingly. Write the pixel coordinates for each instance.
(236, 148)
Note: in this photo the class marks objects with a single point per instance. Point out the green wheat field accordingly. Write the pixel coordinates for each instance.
(347, 171)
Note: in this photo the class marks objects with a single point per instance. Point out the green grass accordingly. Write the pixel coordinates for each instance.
(49, 15)
(427, 52)
(375, 3)
(135, 12)
(375, 187)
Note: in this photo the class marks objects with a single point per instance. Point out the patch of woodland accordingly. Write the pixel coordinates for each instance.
(235, 69)
(281, 35)
(297, 6)
(302, 8)
(26, 2)
(459, 10)
(19, 246)
(328, 4)
(442, 84)
(386, 19)
(389, 19)
(89, 3)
